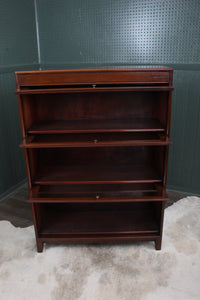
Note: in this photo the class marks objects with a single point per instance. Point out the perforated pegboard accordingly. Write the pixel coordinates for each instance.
(119, 31)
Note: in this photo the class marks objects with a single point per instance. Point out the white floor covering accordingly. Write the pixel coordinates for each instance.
(124, 272)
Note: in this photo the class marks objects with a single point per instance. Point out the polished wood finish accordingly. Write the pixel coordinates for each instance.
(96, 148)
(77, 193)
(17, 210)
(94, 77)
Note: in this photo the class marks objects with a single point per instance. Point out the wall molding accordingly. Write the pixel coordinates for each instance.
(75, 65)
(37, 31)
(181, 190)
(18, 67)
(12, 190)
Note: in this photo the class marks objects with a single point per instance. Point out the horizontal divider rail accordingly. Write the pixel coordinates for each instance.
(92, 89)
(98, 193)
(95, 140)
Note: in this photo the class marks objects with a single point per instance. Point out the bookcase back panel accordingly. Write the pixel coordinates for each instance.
(84, 165)
(86, 105)
(113, 155)
(101, 106)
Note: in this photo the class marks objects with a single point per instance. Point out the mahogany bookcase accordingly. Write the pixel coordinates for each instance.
(96, 150)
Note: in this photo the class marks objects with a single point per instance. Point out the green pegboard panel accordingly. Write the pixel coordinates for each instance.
(119, 32)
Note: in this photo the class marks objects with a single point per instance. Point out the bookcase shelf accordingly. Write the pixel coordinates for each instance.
(101, 125)
(96, 148)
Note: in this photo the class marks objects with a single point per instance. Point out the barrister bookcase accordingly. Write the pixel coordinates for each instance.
(96, 145)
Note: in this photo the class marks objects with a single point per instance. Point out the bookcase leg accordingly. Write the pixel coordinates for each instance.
(39, 246)
(158, 243)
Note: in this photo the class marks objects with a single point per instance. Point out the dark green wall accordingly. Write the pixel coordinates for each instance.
(18, 44)
(18, 51)
(93, 33)
(112, 32)
(184, 159)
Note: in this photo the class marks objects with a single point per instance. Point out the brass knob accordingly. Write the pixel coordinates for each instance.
(94, 85)
(97, 197)
(95, 141)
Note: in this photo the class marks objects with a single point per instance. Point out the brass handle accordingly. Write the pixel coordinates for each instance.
(95, 141)
(94, 85)
(97, 197)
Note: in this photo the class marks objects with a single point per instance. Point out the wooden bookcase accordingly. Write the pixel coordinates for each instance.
(96, 149)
